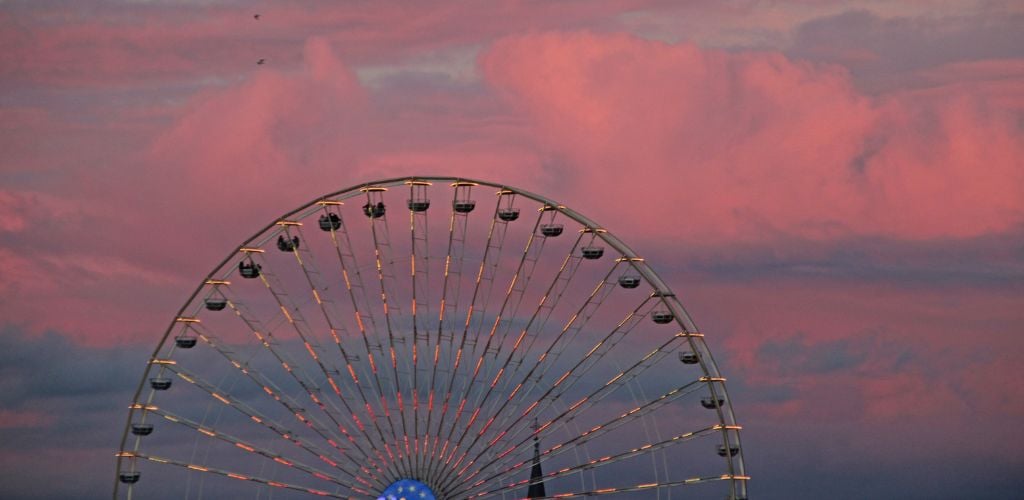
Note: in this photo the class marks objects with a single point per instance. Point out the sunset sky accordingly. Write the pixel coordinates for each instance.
(834, 189)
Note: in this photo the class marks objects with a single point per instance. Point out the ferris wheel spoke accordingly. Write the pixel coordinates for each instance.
(598, 430)
(419, 263)
(487, 271)
(513, 294)
(263, 420)
(544, 308)
(608, 459)
(461, 205)
(582, 438)
(296, 372)
(359, 299)
(538, 372)
(477, 303)
(384, 264)
(620, 331)
(584, 364)
(242, 477)
(647, 486)
(255, 449)
(508, 407)
(304, 259)
(550, 356)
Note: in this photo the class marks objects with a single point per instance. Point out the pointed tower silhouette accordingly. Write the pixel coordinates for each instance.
(536, 475)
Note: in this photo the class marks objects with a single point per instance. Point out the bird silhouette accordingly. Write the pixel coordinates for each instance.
(261, 61)
(256, 17)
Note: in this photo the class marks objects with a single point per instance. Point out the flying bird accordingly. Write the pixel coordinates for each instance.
(256, 17)
(261, 61)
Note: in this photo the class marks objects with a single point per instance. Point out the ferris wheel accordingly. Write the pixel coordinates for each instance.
(431, 337)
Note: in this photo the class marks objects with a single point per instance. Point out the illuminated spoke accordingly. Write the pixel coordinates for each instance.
(493, 353)
(243, 477)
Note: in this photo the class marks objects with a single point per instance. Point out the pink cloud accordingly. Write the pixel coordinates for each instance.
(752, 146)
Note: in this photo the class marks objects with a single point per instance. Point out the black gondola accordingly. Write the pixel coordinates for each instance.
(142, 429)
(728, 452)
(129, 477)
(185, 341)
(215, 303)
(286, 245)
(160, 383)
(249, 270)
(374, 211)
(551, 230)
(662, 317)
(508, 214)
(330, 221)
(463, 206)
(689, 358)
(709, 402)
(629, 281)
(419, 205)
(593, 252)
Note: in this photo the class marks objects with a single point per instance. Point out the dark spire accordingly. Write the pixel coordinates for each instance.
(536, 475)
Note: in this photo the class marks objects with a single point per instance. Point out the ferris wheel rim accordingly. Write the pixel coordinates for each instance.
(661, 291)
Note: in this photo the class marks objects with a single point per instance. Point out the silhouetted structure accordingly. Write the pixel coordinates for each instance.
(536, 475)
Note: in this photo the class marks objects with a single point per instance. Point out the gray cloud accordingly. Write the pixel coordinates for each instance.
(880, 52)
